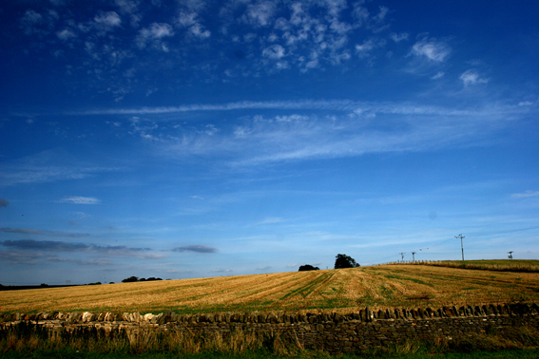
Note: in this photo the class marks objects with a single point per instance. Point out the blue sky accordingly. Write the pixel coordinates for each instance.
(182, 139)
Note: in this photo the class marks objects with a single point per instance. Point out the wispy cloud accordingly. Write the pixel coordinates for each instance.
(221, 270)
(398, 37)
(472, 77)
(195, 248)
(351, 128)
(80, 200)
(24, 257)
(431, 49)
(333, 105)
(61, 246)
(271, 220)
(526, 194)
(12, 256)
(106, 21)
(66, 34)
(190, 21)
(40, 232)
(154, 35)
(47, 166)
(90, 262)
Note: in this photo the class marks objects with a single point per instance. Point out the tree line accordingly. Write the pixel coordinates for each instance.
(341, 261)
(137, 279)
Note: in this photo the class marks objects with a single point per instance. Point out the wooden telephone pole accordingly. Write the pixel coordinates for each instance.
(461, 245)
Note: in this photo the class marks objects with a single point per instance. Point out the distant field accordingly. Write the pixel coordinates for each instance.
(343, 290)
(513, 265)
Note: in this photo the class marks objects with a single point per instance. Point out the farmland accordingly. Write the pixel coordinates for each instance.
(384, 286)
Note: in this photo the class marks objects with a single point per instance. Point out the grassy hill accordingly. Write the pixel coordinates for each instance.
(343, 290)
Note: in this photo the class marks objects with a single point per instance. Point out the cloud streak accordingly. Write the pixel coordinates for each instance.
(332, 105)
(526, 194)
(48, 166)
(196, 248)
(350, 128)
(80, 200)
(40, 232)
(61, 246)
(431, 49)
(367, 129)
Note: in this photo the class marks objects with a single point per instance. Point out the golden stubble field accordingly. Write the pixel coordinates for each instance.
(336, 290)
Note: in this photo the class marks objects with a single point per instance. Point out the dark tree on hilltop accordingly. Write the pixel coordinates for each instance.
(307, 267)
(344, 261)
(130, 279)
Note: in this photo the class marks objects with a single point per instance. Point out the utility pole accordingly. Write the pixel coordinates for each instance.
(402, 256)
(461, 245)
(413, 256)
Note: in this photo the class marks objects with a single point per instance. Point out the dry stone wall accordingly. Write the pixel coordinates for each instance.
(330, 332)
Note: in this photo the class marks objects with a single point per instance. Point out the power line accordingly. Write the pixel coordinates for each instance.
(502, 232)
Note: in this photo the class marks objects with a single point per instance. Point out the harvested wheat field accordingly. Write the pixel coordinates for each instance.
(342, 290)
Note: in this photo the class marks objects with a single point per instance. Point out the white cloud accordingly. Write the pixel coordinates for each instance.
(211, 130)
(31, 17)
(360, 13)
(199, 31)
(438, 75)
(143, 128)
(45, 167)
(431, 49)
(364, 48)
(260, 14)
(381, 14)
(158, 31)
(271, 220)
(472, 77)
(127, 6)
(261, 140)
(398, 37)
(526, 194)
(33, 22)
(274, 52)
(154, 34)
(189, 20)
(66, 34)
(106, 21)
(222, 270)
(334, 105)
(80, 200)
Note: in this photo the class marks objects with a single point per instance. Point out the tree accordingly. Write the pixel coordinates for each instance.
(130, 279)
(344, 261)
(307, 267)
